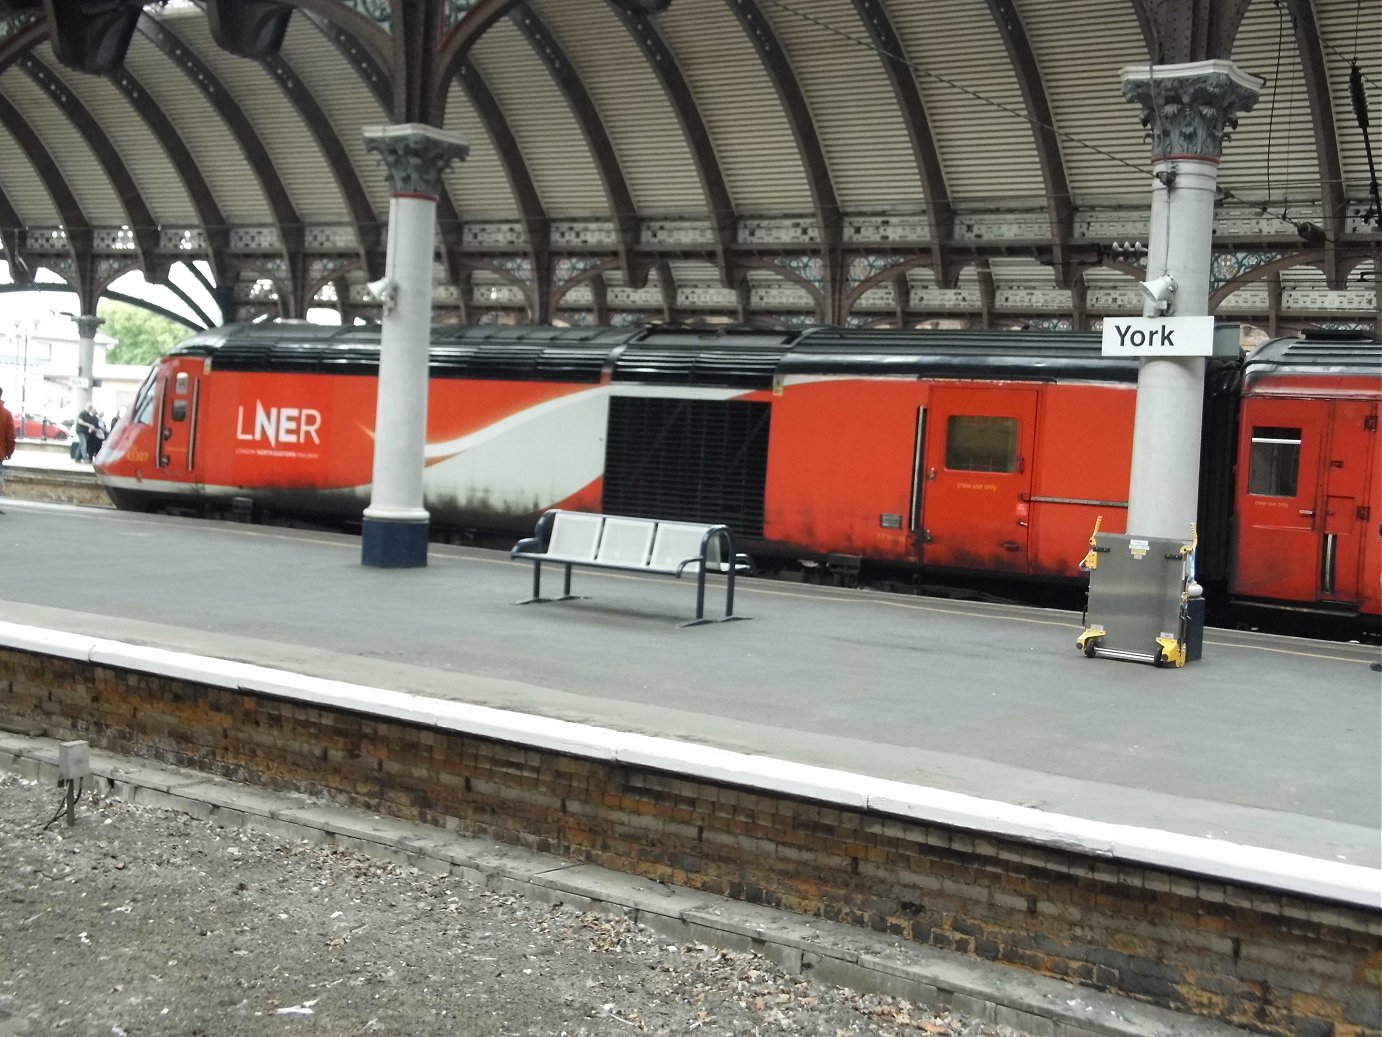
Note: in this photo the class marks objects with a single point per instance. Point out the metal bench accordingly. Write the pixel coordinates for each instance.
(572, 538)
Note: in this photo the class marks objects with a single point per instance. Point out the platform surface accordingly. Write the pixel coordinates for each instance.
(1266, 741)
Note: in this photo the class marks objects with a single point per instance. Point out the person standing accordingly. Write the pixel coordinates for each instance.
(88, 431)
(7, 439)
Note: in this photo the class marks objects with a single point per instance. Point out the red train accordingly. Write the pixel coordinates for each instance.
(942, 452)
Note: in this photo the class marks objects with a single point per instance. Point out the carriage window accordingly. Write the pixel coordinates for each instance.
(981, 444)
(143, 409)
(180, 386)
(1274, 465)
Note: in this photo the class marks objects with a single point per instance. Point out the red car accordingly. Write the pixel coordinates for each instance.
(36, 426)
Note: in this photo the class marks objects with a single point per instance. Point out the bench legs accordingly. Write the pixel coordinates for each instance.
(537, 597)
(700, 600)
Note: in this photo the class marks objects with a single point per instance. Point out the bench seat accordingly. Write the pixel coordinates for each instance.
(629, 544)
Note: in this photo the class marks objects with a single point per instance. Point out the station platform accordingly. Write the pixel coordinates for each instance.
(1266, 742)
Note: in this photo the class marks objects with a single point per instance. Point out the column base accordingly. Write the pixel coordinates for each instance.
(394, 544)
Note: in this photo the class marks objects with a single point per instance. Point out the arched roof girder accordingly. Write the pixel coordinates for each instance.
(1316, 257)
(530, 209)
(617, 194)
(459, 39)
(1060, 206)
(375, 74)
(241, 127)
(13, 47)
(74, 221)
(368, 231)
(794, 106)
(940, 214)
(215, 232)
(141, 219)
(663, 63)
(1326, 133)
(1189, 30)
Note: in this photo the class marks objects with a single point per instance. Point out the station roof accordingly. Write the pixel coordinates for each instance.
(782, 161)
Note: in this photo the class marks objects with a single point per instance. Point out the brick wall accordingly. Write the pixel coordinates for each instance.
(1280, 964)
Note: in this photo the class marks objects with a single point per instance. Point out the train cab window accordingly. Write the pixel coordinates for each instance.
(143, 409)
(180, 386)
(1274, 464)
(179, 410)
(978, 443)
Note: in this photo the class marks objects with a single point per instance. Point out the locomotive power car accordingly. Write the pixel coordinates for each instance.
(935, 452)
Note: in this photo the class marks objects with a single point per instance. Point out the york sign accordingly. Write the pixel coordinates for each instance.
(1158, 336)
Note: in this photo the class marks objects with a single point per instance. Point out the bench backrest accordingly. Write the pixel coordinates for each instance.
(626, 541)
(575, 534)
(677, 541)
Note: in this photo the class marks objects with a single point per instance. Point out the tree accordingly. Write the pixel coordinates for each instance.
(141, 337)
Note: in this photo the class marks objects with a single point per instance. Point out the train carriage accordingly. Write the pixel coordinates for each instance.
(979, 453)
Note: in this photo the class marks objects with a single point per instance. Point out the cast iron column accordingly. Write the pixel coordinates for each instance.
(86, 358)
(396, 523)
(1188, 108)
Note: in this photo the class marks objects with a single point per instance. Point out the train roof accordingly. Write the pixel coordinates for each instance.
(1320, 352)
(671, 354)
(937, 353)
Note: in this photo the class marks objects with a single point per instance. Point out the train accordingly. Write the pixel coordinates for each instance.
(935, 454)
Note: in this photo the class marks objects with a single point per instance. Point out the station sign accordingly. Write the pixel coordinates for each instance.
(1158, 336)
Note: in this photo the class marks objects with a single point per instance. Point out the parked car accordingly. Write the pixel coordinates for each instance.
(38, 426)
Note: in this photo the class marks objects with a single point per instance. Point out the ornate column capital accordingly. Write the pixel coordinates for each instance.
(1189, 108)
(416, 155)
(87, 324)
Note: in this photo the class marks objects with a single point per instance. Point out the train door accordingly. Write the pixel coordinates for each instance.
(978, 478)
(1305, 485)
(178, 408)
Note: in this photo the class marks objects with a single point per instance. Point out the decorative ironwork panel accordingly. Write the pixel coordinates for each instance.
(331, 238)
(649, 298)
(520, 266)
(861, 268)
(255, 239)
(498, 295)
(182, 239)
(326, 294)
(706, 297)
(571, 266)
(1229, 266)
(377, 10)
(1250, 298)
(945, 300)
(113, 239)
(578, 296)
(627, 319)
(881, 297)
(446, 293)
(1253, 223)
(569, 234)
(494, 235)
(1115, 300)
(1003, 226)
(809, 268)
(1115, 224)
(1043, 300)
(865, 229)
(1051, 324)
(1314, 300)
(677, 232)
(802, 231)
(12, 23)
(787, 296)
(576, 318)
(324, 269)
(111, 267)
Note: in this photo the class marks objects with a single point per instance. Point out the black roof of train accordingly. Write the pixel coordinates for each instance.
(668, 354)
(1321, 352)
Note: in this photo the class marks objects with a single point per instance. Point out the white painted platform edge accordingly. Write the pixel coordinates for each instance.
(1258, 866)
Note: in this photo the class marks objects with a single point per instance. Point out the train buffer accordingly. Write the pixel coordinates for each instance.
(641, 545)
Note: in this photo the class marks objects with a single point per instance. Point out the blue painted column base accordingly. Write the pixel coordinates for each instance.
(393, 544)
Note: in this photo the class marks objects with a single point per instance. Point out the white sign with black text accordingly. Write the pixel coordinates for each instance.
(1158, 336)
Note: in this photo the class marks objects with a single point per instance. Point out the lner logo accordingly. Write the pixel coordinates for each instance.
(279, 425)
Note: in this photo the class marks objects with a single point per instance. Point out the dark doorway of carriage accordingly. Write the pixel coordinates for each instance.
(976, 478)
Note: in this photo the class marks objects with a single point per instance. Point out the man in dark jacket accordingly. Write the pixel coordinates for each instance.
(7, 438)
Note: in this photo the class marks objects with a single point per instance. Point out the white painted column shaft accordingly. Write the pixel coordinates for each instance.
(400, 428)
